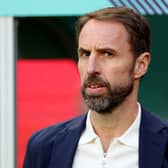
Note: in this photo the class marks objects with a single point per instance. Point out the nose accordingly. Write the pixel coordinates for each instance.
(92, 65)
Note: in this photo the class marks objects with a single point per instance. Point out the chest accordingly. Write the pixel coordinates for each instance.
(118, 155)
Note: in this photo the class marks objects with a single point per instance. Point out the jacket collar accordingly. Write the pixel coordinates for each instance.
(152, 142)
(65, 144)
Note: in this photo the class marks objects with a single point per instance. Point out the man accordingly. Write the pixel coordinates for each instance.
(114, 54)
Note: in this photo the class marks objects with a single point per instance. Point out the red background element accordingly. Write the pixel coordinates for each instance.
(47, 93)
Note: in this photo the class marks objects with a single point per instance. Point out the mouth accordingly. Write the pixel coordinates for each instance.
(95, 89)
(95, 85)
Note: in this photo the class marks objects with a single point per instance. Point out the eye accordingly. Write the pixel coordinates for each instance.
(84, 53)
(108, 53)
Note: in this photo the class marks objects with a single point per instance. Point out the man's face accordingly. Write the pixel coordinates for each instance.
(106, 65)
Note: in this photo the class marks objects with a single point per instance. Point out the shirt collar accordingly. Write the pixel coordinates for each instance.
(88, 134)
(130, 137)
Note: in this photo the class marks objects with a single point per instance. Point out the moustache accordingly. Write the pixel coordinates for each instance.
(95, 80)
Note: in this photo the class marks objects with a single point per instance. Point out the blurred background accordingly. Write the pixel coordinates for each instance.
(46, 80)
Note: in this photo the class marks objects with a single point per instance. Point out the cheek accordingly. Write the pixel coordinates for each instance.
(116, 74)
(82, 72)
(80, 68)
(122, 67)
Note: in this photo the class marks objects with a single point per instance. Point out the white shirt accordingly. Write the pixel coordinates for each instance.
(122, 153)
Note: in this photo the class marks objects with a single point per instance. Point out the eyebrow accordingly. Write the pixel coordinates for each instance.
(106, 49)
(101, 50)
(82, 50)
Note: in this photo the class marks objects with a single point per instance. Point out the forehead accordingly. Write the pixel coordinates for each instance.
(103, 31)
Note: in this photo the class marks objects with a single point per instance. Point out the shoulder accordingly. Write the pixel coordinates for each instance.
(41, 143)
(46, 136)
(152, 121)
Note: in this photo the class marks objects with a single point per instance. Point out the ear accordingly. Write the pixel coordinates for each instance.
(141, 65)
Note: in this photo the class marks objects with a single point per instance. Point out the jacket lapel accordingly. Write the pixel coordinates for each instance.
(152, 142)
(65, 145)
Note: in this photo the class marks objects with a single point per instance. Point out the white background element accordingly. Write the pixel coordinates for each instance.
(7, 90)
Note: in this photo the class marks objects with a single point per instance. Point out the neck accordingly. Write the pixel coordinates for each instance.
(110, 125)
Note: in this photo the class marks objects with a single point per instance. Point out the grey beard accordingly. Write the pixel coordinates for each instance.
(106, 103)
(98, 104)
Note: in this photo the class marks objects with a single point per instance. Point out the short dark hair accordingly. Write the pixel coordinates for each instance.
(136, 25)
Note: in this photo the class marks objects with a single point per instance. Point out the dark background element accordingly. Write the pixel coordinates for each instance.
(154, 87)
(46, 37)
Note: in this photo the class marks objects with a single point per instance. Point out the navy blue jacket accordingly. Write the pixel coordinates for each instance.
(55, 147)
